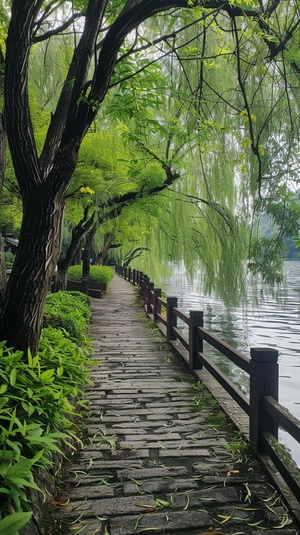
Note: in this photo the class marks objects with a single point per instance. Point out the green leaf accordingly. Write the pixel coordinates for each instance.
(12, 524)
(3, 388)
(21, 482)
(3, 490)
(46, 377)
(21, 468)
(13, 377)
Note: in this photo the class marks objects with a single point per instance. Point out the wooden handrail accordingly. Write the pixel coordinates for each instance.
(264, 411)
(235, 356)
(285, 419)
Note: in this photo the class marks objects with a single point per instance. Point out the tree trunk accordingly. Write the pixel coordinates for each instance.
(3, 275)
(86, 257)
(29, 282)
(78, 232)
(62, 274)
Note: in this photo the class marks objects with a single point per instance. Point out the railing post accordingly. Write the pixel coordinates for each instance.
(129, 274)
(149, 289)
(134, 277)
(171, 318)
(263, 382)
(156, 306)
(140, 279)
(145, 281)
(195, 342)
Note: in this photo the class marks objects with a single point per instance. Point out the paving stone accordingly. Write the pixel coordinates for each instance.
(110, 506)
(159, 486)
(176, 428)
(218, 467)
(148, 436)
(90, 454)
(169, 522)
(108, 418)
(162, 411)
(93, 490)
(193, 452)
(146, 424)
(166, 444)
(104, 465)
(144, 473)
(130, 453)
(169, 415)
(88, 479)
(179, 404)
(204, 497)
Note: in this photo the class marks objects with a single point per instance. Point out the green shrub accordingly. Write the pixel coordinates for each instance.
(69, 311)
(97, 273)
(75, 272)
(9, 258)
(38, 403)
(101, 274)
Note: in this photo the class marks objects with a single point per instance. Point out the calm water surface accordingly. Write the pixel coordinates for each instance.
(265, 322)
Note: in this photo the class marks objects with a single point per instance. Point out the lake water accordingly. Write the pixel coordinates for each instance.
(263, 322)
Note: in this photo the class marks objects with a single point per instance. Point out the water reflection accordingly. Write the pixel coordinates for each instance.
(265, 320)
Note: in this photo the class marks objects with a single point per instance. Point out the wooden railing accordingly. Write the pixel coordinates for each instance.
(262, 407)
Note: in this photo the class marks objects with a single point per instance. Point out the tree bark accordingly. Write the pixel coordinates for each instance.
(29, 282)
(3, 275)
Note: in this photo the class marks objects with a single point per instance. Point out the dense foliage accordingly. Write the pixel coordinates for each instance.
(40, 403)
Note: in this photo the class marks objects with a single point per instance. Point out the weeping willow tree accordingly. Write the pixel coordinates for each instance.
(230, 130)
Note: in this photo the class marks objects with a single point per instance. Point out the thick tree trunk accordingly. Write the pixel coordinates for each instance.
(29, 282)
(3, 275)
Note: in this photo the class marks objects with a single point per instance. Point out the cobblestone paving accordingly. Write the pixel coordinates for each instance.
(152, 463)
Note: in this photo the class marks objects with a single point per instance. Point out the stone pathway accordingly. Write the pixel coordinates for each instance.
(159, 455)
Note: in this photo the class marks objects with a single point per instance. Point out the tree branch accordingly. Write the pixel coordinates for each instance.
(57, 30)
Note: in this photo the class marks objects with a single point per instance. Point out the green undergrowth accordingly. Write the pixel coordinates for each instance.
(39, 404)
(97, 273)
(69, 312)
